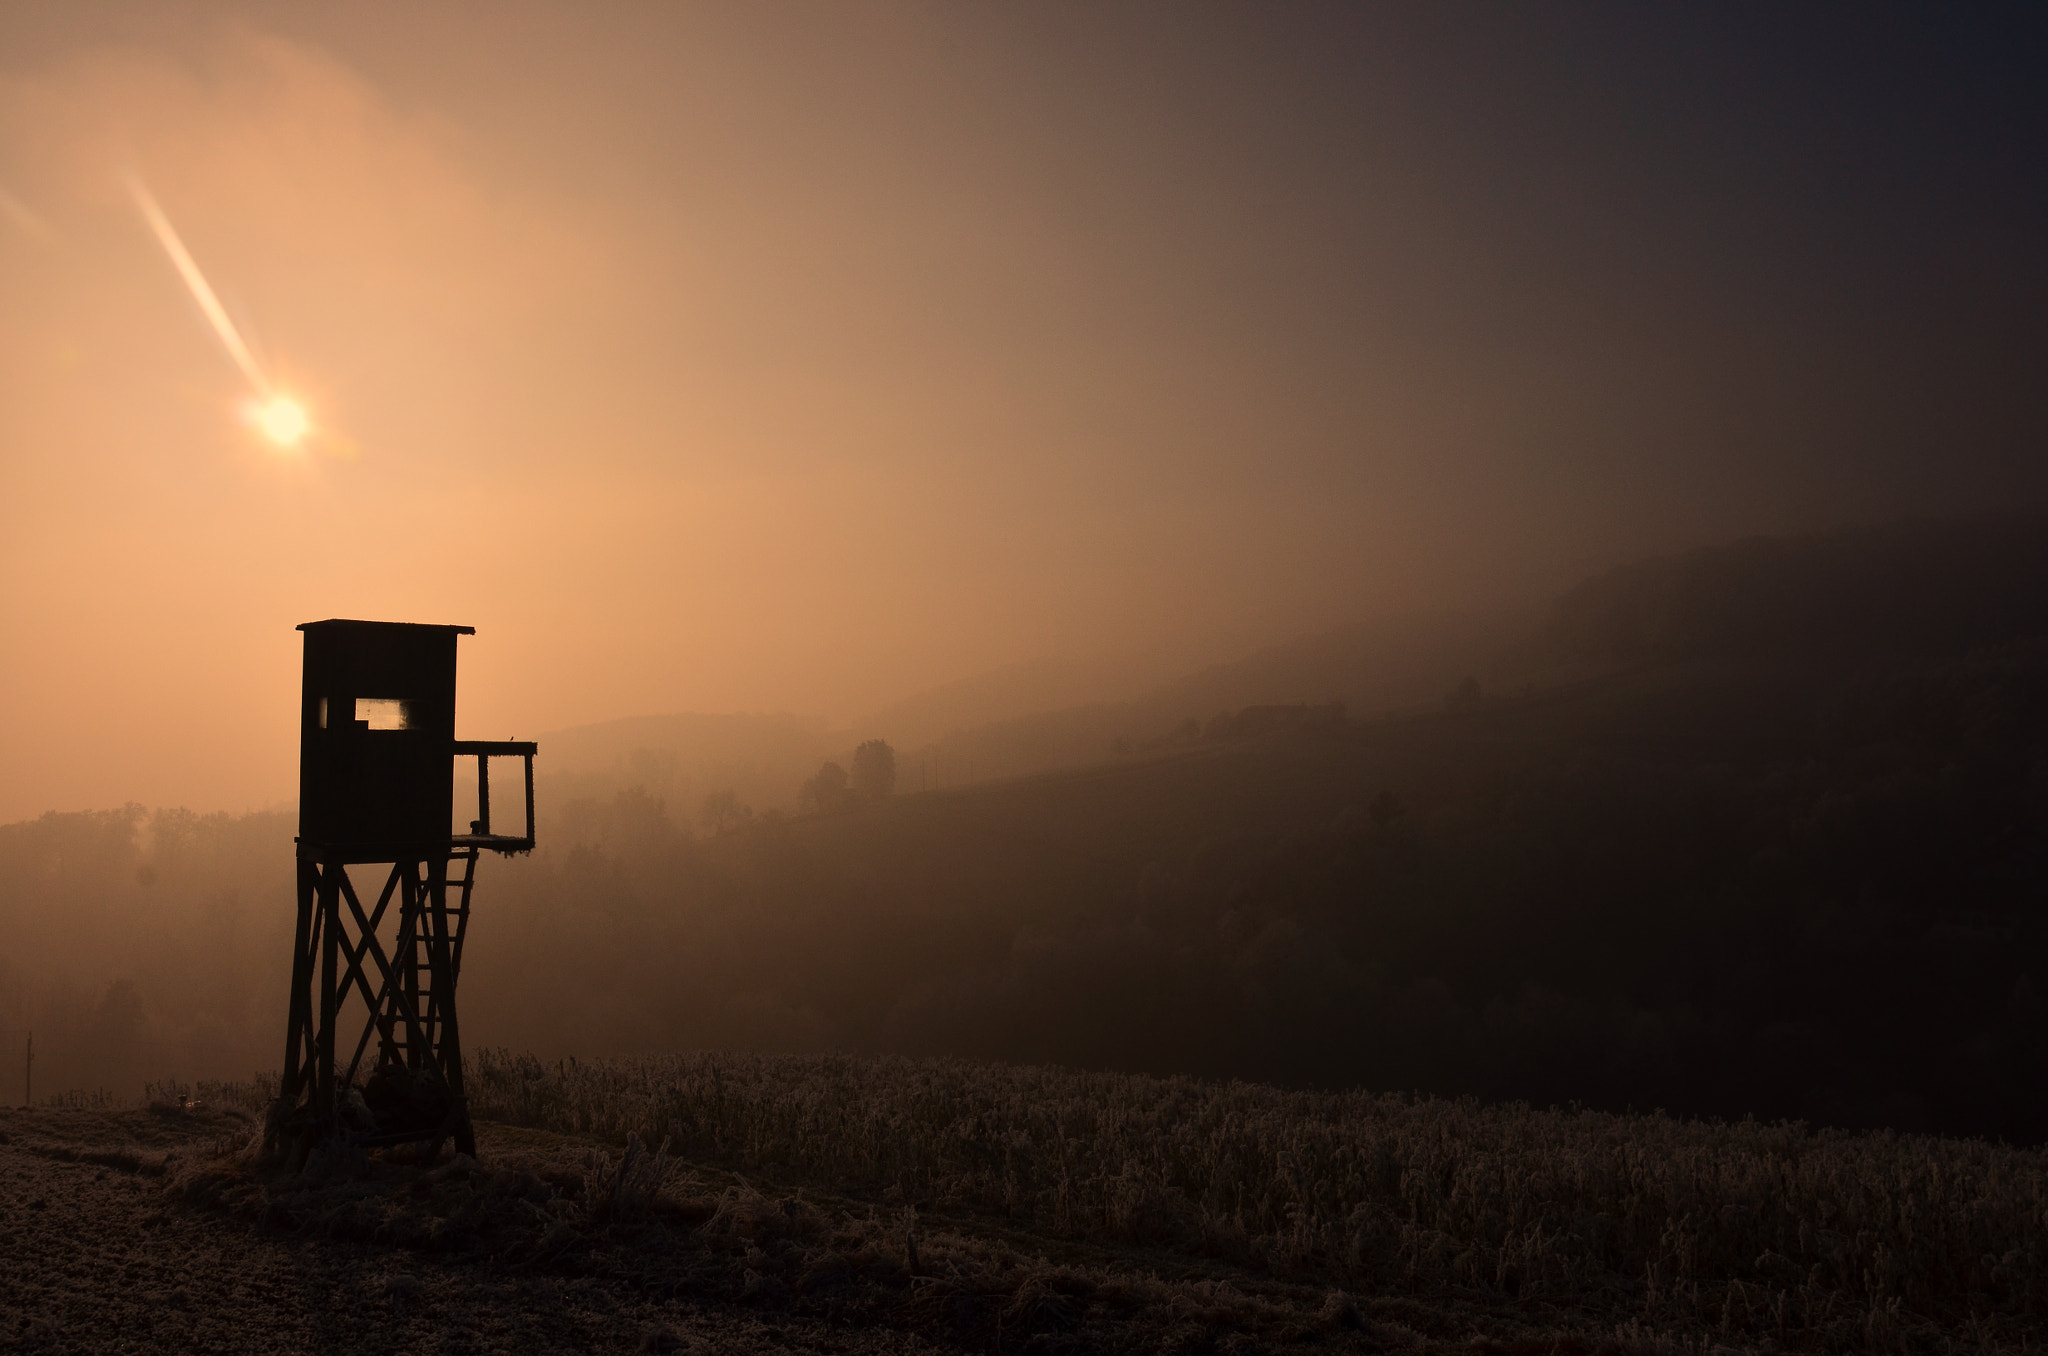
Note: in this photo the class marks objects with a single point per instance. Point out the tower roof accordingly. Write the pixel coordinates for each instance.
(409, 626)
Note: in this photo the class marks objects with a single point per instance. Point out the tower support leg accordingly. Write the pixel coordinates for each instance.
(407, 993)
(299, 1045)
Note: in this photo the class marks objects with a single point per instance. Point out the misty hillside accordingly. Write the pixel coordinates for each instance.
(680, 759)
(949, 736)
(1048, 683)
(1866, 595)
(1795, 885)
(1791, 885)
(1873, 594)
(1370, 668)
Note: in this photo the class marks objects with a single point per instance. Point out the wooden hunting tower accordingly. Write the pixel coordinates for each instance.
(376, 784)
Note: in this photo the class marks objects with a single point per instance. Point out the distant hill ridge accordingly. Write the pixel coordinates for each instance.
(1368, 667)
(1925, 588)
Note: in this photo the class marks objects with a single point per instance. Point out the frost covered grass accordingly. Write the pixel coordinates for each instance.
(1744, 1234)
(1063, 1202)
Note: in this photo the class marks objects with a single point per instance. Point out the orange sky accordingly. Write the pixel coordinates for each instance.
(760, 358)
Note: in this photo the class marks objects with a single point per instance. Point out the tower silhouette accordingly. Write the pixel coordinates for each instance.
(376, 785)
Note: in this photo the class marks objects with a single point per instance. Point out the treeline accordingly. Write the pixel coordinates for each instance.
(137, 944)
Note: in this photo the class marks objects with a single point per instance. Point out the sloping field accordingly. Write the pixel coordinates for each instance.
(840, 1203)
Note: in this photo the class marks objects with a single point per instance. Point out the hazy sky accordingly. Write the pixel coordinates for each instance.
(751, 357)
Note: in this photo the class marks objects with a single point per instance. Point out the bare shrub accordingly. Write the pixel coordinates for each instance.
(623, 1195)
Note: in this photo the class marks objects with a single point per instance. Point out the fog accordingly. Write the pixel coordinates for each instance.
(715, 360)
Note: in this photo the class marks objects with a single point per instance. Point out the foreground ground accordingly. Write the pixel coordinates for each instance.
(834, 1203)
(97, 1255)
(147, 1230)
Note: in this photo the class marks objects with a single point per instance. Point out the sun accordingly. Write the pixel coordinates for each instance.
(281, 419)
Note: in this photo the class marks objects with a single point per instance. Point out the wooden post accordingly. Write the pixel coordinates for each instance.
(28, 1077)
(483, 793)
(330, 957)
(299, 1020)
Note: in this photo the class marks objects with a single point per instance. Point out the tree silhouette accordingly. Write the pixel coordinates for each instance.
(825, 791)
(874, 769)
(723, 812)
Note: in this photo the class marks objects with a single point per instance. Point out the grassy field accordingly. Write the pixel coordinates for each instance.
(1400, 1222)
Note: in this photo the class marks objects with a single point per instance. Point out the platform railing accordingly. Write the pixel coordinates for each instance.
(483, 750)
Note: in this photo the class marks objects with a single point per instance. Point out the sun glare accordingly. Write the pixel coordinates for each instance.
(282, 420)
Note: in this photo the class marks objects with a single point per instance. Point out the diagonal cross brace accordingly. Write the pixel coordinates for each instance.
(376, 1004)
(354, 973)
(413, 1030)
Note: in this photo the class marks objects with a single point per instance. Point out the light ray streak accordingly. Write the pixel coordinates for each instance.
(202, 292)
